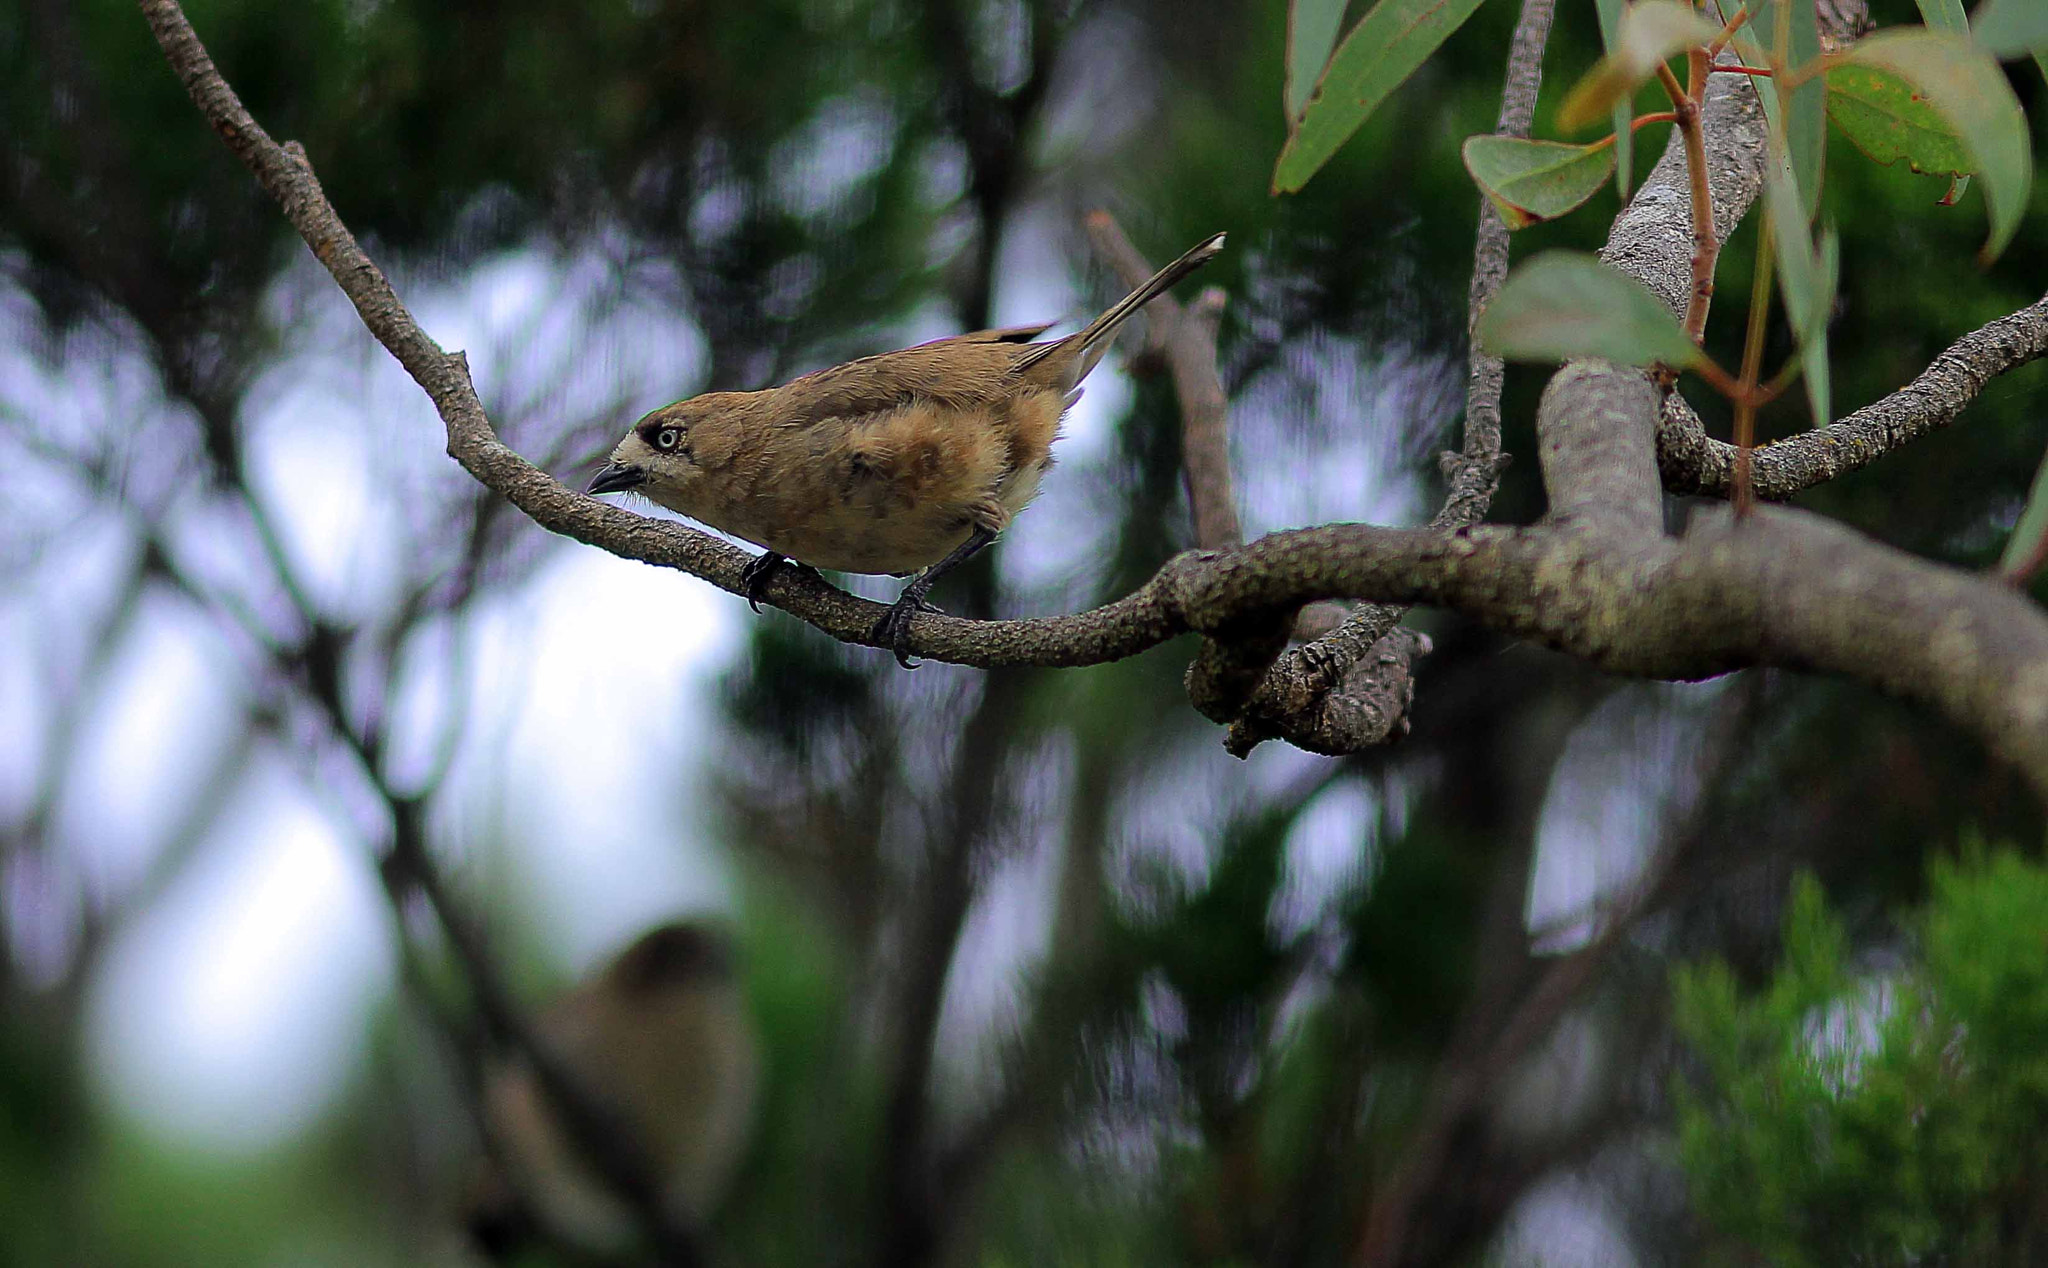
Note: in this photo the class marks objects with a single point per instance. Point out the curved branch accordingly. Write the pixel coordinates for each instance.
(1784, 588)
(1694, 462)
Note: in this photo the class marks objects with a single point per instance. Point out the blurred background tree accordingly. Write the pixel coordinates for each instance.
(1042, 974)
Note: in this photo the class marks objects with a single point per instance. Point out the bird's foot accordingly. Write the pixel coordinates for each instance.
(761, 569)
(894, 628)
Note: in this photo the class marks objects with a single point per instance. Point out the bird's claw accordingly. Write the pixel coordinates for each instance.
(894, 627)
(760, 570)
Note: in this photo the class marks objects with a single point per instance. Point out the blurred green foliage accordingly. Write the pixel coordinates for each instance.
(1879, 1116)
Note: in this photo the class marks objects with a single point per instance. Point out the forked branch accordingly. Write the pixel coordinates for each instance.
(1786, 589)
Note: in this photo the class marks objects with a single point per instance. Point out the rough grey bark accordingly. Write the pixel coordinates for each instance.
(1694, 462)
(1351, 688)
(1781, 588)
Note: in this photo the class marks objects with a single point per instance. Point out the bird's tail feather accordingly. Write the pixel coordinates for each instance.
(1094, 340)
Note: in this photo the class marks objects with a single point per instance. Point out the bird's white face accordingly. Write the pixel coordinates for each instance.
(653, 459)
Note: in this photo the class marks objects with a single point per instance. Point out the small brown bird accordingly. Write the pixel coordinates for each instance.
(911, 460)
(663, 1038)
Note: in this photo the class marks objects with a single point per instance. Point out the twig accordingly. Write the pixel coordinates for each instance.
(1779, 596)
(1351, 688)
(1706, 245)
(1693, 462)
(1188, 338)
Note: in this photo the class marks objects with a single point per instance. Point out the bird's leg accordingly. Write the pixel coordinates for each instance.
(760, 569)
(894, 626)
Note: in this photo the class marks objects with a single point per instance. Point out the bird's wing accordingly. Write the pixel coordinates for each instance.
(959, 370)
(1007, 334)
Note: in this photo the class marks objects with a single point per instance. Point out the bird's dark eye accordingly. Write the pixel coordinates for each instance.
(668, 438)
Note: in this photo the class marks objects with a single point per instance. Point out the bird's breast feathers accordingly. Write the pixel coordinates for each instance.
(889, 492)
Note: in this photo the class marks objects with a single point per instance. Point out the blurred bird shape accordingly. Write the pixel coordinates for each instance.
(662, 1037)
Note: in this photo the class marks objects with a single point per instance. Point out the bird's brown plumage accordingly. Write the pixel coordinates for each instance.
(888, 464)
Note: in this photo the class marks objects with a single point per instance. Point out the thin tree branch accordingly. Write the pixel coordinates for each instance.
(1790, 589)
(1474, 472)
(1187, 336)
(1494, 1049)
(1352, 688)
(1693, 462)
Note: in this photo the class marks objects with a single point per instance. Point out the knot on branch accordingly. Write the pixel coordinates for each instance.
(1456, 467)
(1322, 699)
(1232, 664)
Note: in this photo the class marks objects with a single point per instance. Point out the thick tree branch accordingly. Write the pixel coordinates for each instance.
(1786, 589)
(1692, 461)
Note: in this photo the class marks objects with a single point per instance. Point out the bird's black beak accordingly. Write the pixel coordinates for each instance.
(614, 477)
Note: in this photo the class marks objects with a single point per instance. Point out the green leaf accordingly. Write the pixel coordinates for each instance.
(1815, 353)
(1966, 85)
(2008, 28)
(1806, 278)
(1805, 105)
(1311, 33)
(1889, 121)
(1565, 304)
(1944, 15)
(1624, 110)
(2032, 528)
(1382, 50)
(1802, 112)
(1532, 181)
(1649, 33)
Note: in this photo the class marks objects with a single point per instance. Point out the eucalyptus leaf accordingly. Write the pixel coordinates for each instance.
(1532, 181)
(1800, 112)
(1311, 33)
(1806, 278)
(1944, 15)
(1382, 50)
(1965, 84)
(1889, 121)
(1650, 33)
(1624, 110)
(2027, 534)
(2011, 28)
(1566, 304)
